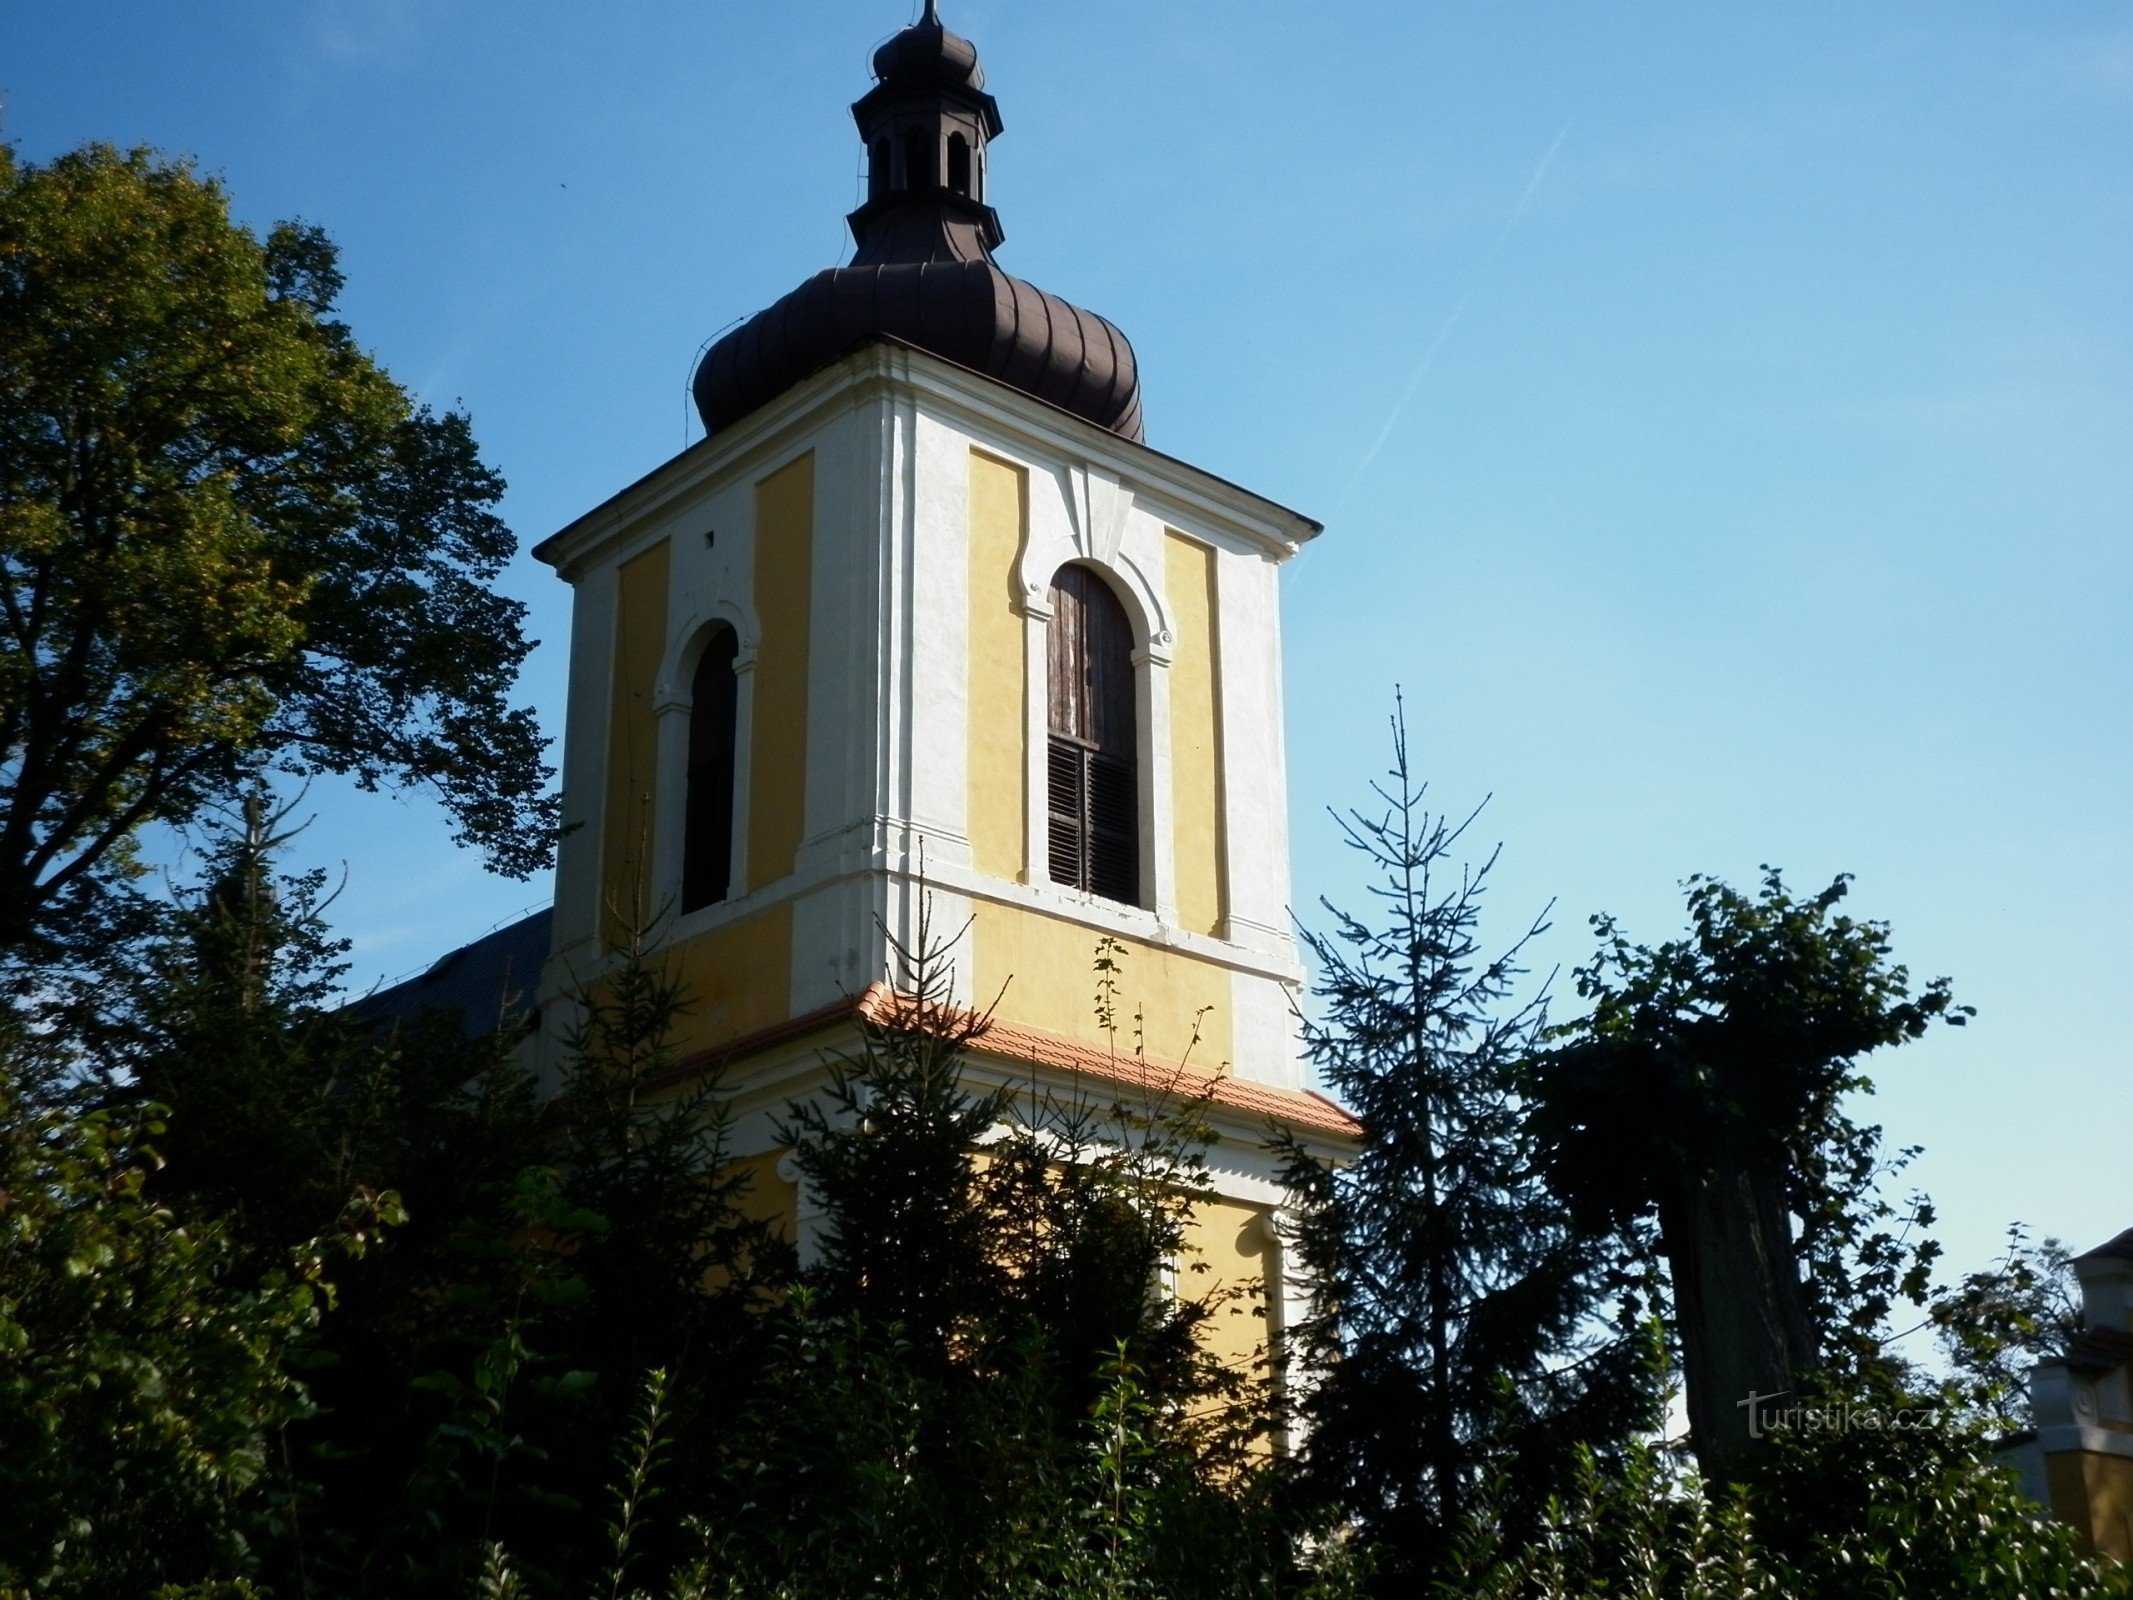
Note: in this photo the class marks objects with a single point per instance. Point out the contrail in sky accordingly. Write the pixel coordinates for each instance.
(1445, 331)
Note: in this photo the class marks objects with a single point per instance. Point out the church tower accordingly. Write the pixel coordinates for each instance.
(924, 617)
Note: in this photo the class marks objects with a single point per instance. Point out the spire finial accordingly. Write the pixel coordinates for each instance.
(923, 272)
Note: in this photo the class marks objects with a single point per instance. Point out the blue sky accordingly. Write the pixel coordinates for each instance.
(1722, 415)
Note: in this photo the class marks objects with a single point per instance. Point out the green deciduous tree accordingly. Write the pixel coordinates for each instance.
(1993, 1325)
(145, 1376)
(1704, 1095)
(226, 535)
(273, 1108)
(1834, 1513)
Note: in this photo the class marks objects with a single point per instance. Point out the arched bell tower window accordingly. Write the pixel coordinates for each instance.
(1092, 775)
(959, 164)
(918, 158)
(707, 829)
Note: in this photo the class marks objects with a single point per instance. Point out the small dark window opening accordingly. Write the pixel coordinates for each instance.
(707, 829)
(959, 163)
(1092, 767)
(918, 159)
(878, 168)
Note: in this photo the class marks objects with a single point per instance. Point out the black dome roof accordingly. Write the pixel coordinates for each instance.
(927, 53)
(924, 272)
(968, 311)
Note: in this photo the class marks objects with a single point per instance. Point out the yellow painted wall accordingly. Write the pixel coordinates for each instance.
(1224, 1263)
(768, 1198)
(1195, 735)
(999, 668)
(735, 979)
(632, 741)
(784, 571)
(1226, 1253)
(1045, 961)
(2094, 1493)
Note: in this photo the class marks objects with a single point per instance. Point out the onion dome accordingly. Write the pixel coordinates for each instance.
(928, 54)
(924, 272)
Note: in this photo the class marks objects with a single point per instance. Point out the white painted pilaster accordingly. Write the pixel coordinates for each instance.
(585, 748)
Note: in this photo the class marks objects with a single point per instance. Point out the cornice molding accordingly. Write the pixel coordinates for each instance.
(884, 366)
(1059, 1058)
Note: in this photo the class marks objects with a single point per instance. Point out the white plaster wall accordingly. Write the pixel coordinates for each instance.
(933, 641)
(843, 694)
(1263, 1030)
(585, 718)
(1254, 774)
(835, 939)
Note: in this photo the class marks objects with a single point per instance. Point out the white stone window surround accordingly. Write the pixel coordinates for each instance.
(1085, 520)
(1151, 737)
(673, 706)
(708, 585)
(1110, 525)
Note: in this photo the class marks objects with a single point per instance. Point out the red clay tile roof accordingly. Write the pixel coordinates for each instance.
(1300, 1108)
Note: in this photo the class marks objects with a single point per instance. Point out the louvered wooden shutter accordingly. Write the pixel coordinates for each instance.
(1114, 831)
(1066, 782)
(707, 828)
(1092, 775)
